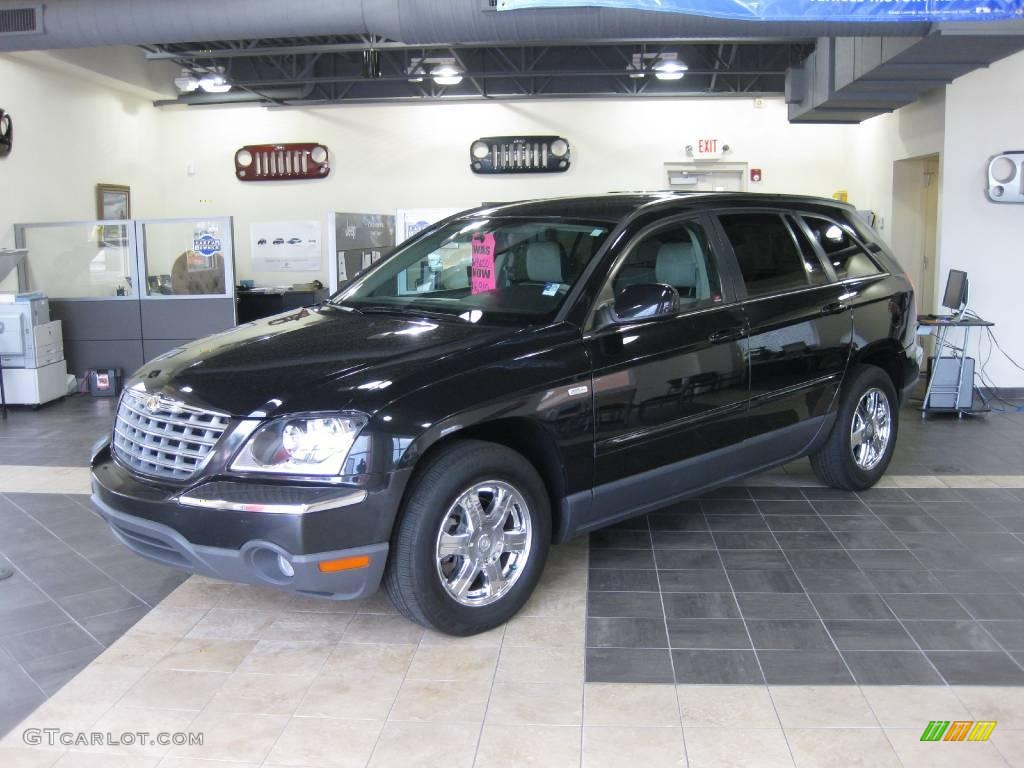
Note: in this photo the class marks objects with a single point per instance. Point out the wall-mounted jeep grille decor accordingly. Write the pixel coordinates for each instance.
(520, 154)
(277, 162)
(1006, 177)
(6, 133)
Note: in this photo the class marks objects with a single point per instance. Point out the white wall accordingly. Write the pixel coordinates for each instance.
(74, 130)
(912, 131)
(388, 157)
(69, 134)
(984, 115)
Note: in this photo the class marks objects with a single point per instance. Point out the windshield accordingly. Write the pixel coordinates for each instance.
(482, 269)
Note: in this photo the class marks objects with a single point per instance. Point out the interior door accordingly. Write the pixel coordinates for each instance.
(800, 329)
(668, 391)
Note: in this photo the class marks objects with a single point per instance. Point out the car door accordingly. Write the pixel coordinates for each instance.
(800, 331)
(671, 391)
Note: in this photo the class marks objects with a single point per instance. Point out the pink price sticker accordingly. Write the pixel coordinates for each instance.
(483, 279)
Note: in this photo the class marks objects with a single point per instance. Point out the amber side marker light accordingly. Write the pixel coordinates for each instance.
(344, 564)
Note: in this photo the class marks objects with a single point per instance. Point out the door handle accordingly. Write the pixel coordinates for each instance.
(726, 334)
(834, 307)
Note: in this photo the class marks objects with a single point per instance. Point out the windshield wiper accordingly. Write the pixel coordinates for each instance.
(385, 309)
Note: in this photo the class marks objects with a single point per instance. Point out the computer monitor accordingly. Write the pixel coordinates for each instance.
(955, 297)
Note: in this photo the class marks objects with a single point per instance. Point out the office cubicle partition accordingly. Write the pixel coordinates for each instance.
(127, 291)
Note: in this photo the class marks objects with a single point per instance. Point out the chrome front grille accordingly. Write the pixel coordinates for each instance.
(158, 436)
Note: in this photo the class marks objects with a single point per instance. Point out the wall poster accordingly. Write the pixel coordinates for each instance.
(360, 240)
(285, 246)
(412, 221)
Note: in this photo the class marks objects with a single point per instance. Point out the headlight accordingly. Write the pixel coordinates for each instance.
(559, 147)
(311, 445)
(479, 149)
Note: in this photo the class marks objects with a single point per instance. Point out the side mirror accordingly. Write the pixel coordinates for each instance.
(644, 301)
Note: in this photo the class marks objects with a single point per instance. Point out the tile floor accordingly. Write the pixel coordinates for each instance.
(274, 680)
(74, 591)
(809, 586)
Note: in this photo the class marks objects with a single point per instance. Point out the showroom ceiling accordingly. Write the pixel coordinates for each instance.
(345, 69)
(298, 52)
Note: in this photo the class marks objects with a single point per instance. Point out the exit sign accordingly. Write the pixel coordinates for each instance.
(708, 148)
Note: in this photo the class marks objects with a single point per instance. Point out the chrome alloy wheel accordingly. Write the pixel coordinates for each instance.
(871, 429)
(483, 543)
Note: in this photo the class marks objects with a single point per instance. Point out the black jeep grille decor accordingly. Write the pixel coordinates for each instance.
(6, 133)
(520, 154)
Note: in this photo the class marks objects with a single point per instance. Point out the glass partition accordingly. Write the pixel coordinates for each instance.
(90, 259)
(186, 257)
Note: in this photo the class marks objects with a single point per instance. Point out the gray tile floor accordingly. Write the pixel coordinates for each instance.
(74, 591)
(945, 445)
(59, 434)
(813, 586)
(743, 588)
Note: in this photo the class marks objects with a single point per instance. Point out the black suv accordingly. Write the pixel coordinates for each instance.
(512, 377)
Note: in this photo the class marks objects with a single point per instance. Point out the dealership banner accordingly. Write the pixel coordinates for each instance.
(805, 10)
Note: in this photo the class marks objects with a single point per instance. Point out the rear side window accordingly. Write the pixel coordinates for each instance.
(847, 256)
(767, 254)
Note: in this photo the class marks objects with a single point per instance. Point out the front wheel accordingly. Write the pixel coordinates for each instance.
(863, 437)
(471, 540)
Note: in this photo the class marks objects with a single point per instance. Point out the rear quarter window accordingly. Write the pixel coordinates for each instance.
(848, 257)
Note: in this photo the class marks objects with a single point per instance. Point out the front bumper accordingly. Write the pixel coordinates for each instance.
(310, 529)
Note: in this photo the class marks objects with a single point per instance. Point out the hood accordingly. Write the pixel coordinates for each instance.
(320, 358)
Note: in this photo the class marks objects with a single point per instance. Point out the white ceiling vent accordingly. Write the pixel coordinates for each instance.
(23, 20)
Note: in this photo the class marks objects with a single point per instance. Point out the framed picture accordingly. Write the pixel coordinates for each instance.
(113, 201)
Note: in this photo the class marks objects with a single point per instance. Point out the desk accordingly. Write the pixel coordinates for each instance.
(951, 391)
(253, 305)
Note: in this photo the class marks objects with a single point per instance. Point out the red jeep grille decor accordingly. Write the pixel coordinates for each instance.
(277, 162)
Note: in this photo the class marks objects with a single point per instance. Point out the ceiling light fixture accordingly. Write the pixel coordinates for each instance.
(669, 67)
(215, 82)
(446, 74)
(665, 66)
(186, 82)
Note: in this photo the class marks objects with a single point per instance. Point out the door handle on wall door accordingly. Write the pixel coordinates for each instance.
(834, 307)
(726, 334)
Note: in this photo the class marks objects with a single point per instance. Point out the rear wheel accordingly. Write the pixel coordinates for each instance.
(471, 541)
(863, 437)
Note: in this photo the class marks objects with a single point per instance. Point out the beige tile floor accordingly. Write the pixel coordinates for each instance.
(29, 479)
(274, 680)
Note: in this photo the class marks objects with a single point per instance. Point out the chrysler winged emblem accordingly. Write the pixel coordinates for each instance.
(153, 403)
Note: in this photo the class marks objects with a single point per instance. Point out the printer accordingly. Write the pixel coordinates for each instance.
(31, 345)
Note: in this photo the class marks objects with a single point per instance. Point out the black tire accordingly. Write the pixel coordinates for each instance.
(412, 580)
(834, 462)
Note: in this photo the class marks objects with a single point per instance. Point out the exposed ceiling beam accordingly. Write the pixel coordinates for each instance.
(165, 52)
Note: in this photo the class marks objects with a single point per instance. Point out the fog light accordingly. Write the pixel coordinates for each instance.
(285, 566)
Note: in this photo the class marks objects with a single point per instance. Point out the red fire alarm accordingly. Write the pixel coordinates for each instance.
(755, 174)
